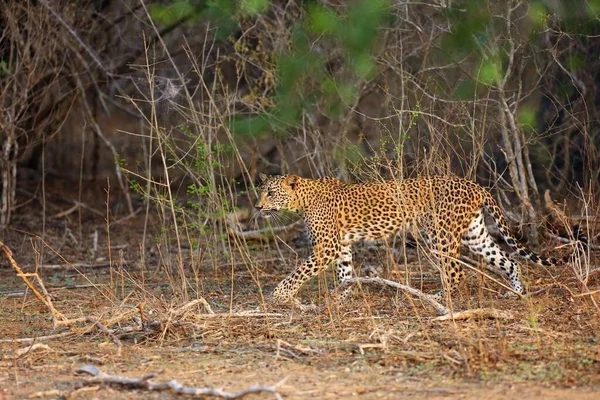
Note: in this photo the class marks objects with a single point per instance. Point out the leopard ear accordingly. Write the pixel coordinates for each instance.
(262, 177)
(291, 181)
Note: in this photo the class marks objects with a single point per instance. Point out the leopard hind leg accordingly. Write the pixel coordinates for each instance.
(344, 270)
(446, 250)
(480, 242)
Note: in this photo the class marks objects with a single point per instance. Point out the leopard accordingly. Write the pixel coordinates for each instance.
(448, 211)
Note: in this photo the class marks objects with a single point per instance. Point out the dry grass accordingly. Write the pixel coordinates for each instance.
(379, 343)
(167, 288)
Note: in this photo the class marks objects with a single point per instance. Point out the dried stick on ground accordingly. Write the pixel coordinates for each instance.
(109, 333)
(45, 298)
(144, 383)
(19, 353)
(479, 313)
(39, 338)
(427, 298)
(444, 312)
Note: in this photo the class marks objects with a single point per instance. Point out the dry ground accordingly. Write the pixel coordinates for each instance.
(381, 345)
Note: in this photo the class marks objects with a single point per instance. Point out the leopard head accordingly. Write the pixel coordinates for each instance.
(277, 192)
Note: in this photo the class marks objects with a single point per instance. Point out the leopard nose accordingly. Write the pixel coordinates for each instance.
(258, 208)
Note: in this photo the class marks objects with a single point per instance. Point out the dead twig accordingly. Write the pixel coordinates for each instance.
(77, 205)
(40, 338)
(241, 314)
(444, 312)
(479, 313)
(76, 266)
(55, 393)
(109, 333)
(58, 319)
(181, 310)
(45, 298)
(22, 352)
(427, 298)
(19, 293)
(172, 385)
(286, 347)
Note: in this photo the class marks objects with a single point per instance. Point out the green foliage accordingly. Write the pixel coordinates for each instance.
(303, 83)
(526, 117)
(222, 13)
(253, 7)
(4, 71)
(322, 21)
(465, 90)
(326, 54)
(364, 19)
(490, 71)
(537, 14)
(348, 154)
(469, 22)
(170, 14)
(575, 62)
(593, 8)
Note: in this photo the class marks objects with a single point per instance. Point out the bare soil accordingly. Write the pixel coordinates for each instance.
(382, 344)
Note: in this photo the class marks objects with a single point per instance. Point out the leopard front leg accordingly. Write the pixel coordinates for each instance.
(323, 255)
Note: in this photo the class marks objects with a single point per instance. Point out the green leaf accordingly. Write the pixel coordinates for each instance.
(170, 14)
(363, 21)
(253, 126)
(363, 66)
(465, 90)
(348, 93)
(4, 68)
(254, 7)
(322, 20)
(222, 15)
(490, 71)
(469, 24)
(537, 14)
(575, 62)
(593, 7)
(526, 118)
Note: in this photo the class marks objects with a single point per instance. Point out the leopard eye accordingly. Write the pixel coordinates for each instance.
(270, 193)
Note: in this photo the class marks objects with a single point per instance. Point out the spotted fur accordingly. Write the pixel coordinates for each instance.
(449, 211)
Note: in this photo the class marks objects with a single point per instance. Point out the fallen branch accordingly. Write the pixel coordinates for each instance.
(182, 309)
(427, 298)
(58, 319)
(75, 266)
(479, 313)
(54, 393)
(242, 314)
(109, 333)
(444, 312)
(51, 289)
(39, 338)
(172, 385)
(74, 208)
(20, 353)
(45, 298)
(285, 347)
